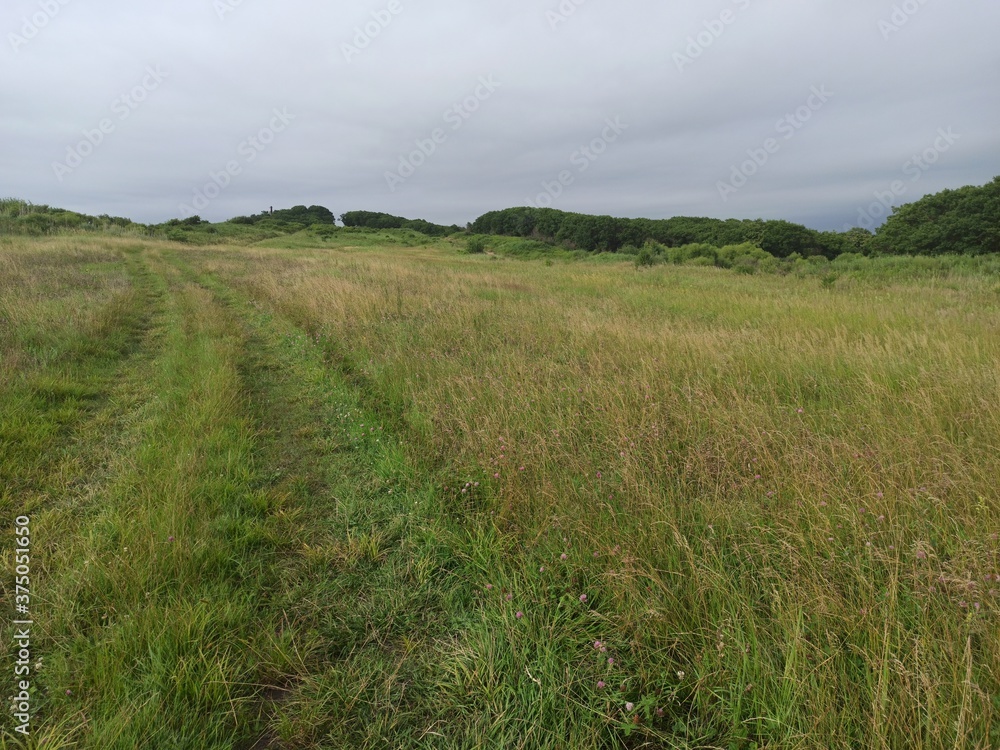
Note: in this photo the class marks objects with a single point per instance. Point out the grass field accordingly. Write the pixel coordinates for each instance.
(369, 493)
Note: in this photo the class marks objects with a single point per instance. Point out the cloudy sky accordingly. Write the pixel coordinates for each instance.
(817, 112)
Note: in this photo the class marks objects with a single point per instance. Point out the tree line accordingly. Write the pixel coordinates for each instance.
(611, 234)
(295, 215)
(965, 221)
(376, 220)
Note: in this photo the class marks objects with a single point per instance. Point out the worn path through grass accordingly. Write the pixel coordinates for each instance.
(227, 546)
(395, 497)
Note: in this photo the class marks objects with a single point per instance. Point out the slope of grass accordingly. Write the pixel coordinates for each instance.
(359, 494)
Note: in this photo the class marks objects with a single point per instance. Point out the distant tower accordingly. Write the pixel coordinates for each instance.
(272, 210)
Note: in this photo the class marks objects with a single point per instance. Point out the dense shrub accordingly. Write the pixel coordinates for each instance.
(645, 257)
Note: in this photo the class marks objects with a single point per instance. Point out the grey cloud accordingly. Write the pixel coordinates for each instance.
(562, 76)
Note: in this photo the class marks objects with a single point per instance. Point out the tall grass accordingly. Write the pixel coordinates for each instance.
(359, 494)
(783, 492)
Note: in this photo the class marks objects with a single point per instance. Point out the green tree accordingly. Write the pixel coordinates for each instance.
(965, 221)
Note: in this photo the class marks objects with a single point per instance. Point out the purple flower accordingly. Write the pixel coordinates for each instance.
(583, 597)
(629, 706)
(519, 615)
(563, 556)
(600, 685)
(611, 661)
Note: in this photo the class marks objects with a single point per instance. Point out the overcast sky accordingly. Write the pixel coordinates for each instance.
(444, 110)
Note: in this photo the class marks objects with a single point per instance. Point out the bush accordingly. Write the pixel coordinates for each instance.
(699, 261)
(645, 258)
(475, 245)
(685, 253)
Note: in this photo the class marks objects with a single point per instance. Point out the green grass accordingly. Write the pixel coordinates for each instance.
(296, 495)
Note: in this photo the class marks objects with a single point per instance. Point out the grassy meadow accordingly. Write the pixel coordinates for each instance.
(367, 491)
